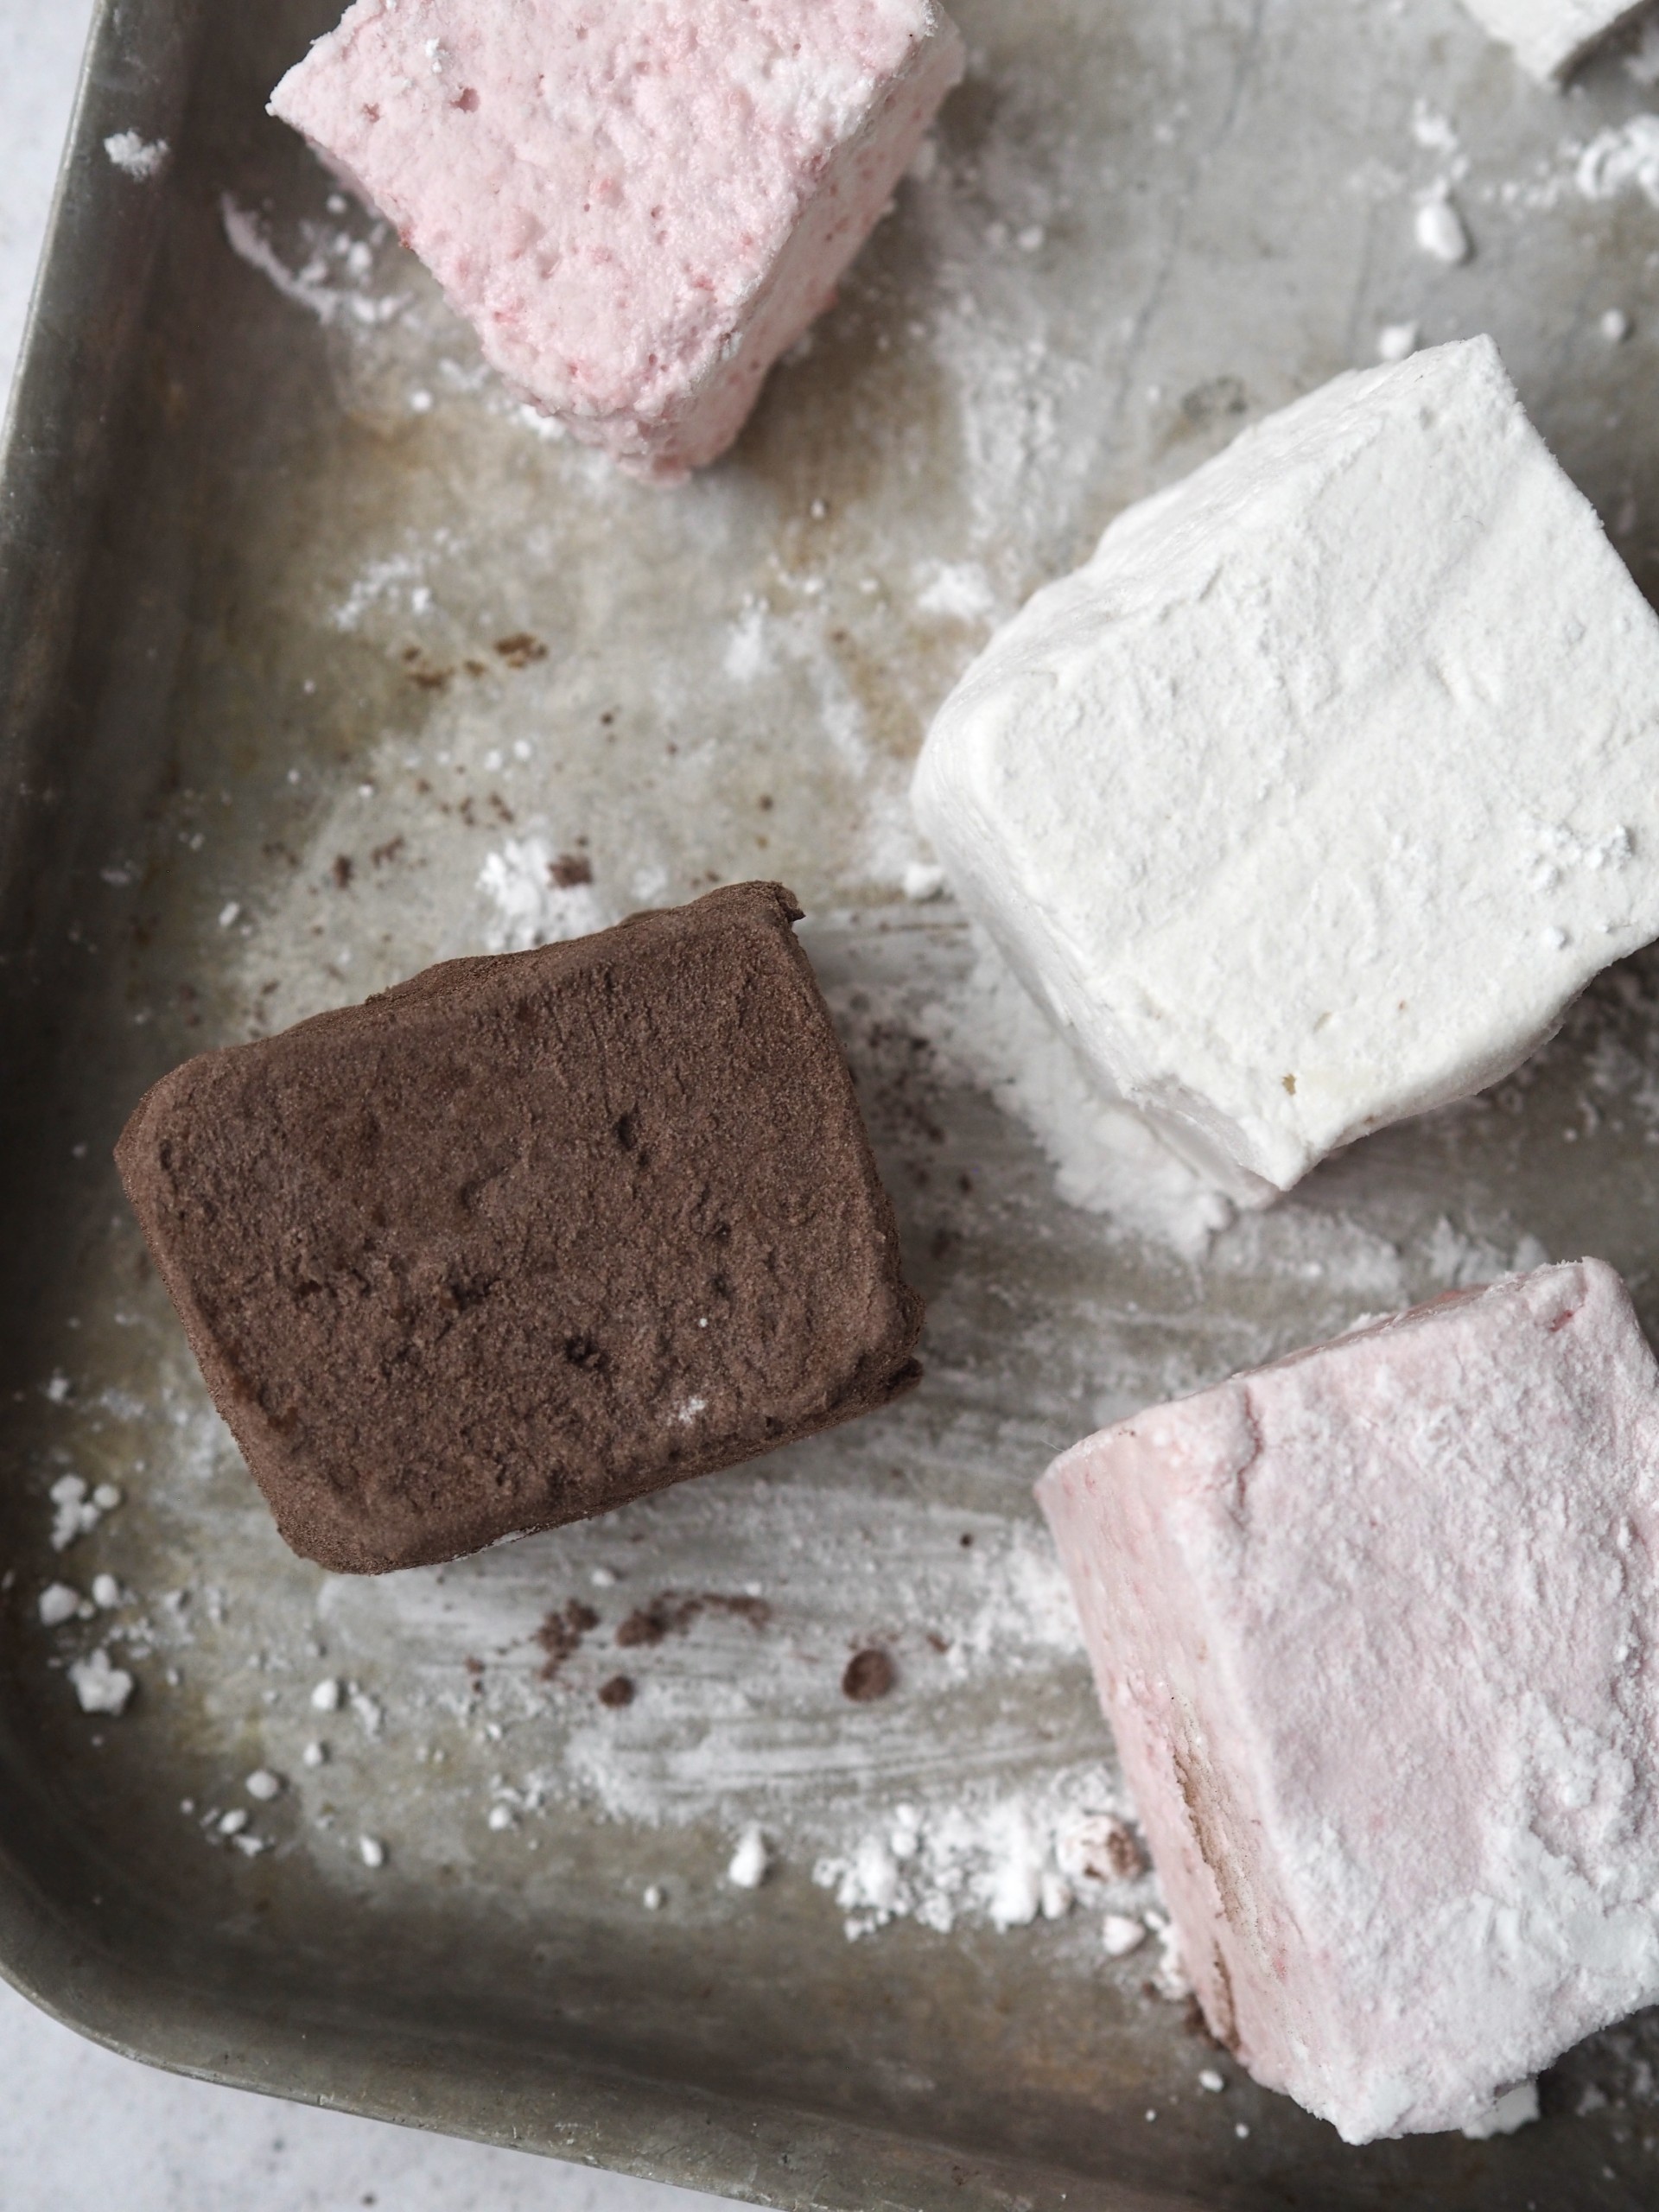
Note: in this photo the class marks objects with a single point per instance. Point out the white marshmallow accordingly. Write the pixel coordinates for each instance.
(1316, 795)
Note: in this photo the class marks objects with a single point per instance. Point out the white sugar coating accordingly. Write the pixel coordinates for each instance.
(1120, 1934)
(1551, 37)
(1270, 804)
(639, 204)
(1374, 1628)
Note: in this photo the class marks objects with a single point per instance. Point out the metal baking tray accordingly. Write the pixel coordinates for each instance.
(320, 661)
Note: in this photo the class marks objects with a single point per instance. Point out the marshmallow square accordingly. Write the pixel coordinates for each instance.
(1315, 797)
(639, 203)
(1378, 1629)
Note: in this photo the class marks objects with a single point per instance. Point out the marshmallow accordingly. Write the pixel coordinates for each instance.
(1316, 797)
(1376, 1627)
(639, 203)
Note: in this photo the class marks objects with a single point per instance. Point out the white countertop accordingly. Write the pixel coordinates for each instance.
(80, 2128)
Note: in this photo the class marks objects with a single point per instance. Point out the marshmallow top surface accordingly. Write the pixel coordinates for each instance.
(1550, 37)
(603, 187)
(1315, 797)
(1375, 1628)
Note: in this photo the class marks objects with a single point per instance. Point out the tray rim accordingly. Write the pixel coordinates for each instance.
(749, 2149)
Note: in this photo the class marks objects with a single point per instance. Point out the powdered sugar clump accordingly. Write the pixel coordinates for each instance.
(136, 157)
(1623, 157)
(1007, 1858)
(959, 591)
(101, 1686)
(77, 1508)
(750, 1861)
(58, 1603)
(537, 897)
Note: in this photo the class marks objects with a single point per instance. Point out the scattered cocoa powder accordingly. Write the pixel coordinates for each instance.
(519, 650)
(671, 1614)
(562, 1632)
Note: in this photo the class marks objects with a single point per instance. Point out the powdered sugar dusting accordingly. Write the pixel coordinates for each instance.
(529, 904)
(1107, 1159)
(328, 284)
(1005, 1859)
(917, 1805)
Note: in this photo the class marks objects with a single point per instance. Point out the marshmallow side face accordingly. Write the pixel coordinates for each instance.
(1375, 1628)
(1314, 800)
(1551, 37)
(637, 203)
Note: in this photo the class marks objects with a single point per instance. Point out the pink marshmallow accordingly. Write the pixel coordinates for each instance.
(638, 204)
(1375, 1628)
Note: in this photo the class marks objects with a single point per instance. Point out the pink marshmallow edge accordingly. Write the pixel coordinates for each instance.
(638, 204)
(1374, 1627)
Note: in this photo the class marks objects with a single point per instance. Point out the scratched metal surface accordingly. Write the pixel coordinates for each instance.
(306, 630)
